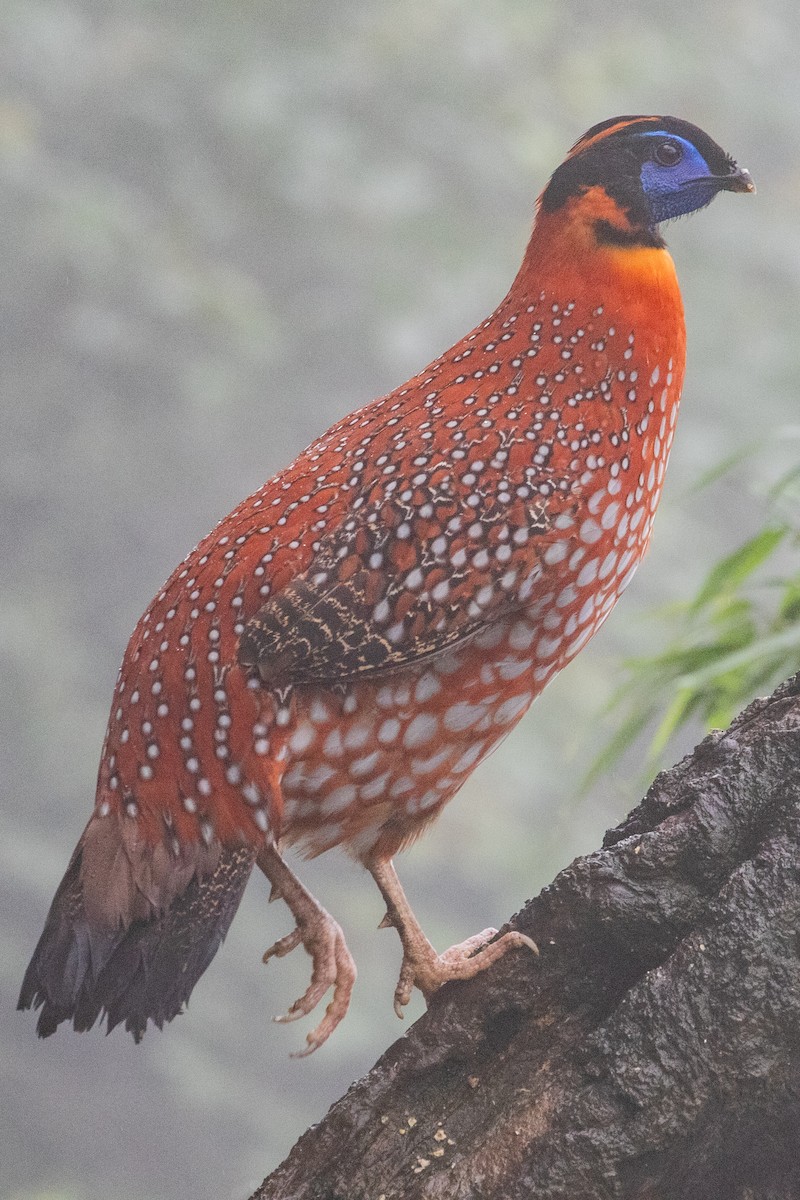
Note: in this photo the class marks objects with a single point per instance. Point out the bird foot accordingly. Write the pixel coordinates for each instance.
(323, 939)
(425, 969)
(422, 966)
(333, 967)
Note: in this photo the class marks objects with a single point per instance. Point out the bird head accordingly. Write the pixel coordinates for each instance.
(639, 171)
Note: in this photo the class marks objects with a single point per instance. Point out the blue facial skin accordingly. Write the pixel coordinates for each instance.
(681, 188)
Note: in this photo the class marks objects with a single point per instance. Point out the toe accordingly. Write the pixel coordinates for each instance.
(469, 947)
(283, 946)
(405, 987)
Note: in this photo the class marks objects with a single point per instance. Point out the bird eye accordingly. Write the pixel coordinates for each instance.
(668, 153)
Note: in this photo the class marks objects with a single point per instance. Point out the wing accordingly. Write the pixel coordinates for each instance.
(401, 582)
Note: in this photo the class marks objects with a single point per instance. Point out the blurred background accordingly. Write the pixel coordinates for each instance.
(224, 226)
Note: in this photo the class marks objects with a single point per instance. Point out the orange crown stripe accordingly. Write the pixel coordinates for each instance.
(591, 139)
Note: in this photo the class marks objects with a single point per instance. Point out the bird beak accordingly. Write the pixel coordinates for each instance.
(739, 181)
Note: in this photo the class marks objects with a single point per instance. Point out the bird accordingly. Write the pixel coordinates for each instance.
(332, 661)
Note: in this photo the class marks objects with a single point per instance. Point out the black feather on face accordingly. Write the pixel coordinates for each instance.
(611, 154)
(622, 127)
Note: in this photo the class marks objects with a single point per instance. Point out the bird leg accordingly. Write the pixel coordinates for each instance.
(422, 966)
(322, 938)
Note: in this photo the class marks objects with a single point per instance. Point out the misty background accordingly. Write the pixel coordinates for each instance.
(224, 225)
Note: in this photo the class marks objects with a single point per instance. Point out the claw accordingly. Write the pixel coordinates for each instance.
(386, 922)
(322, 938)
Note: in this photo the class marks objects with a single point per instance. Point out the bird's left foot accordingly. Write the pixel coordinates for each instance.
(422, 966)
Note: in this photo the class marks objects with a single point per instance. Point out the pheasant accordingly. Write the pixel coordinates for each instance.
(332, 661)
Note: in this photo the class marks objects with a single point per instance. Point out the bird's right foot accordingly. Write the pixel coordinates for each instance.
(334, 967)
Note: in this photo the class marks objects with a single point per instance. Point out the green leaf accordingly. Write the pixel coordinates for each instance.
(731, 572)
(782, 643)
(789, 608)
(739, 635)
(784, 484)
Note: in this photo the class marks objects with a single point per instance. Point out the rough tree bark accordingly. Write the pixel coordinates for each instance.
(653, 1051)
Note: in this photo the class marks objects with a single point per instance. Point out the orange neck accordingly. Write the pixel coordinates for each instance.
(566, 255)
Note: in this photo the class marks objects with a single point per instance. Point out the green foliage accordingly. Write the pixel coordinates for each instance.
(738, 636)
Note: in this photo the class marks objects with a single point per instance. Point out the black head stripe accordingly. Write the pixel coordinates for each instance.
(610, 156)
(617, 128)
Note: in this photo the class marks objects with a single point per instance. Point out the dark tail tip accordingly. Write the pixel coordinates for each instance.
(145, 972)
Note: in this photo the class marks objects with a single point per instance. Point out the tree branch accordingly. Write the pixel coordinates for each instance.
(653, 1051)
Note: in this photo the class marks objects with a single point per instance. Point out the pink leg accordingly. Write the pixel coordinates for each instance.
(422, 966)
(322, 938)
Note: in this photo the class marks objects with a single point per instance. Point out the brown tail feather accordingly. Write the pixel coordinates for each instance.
(138, 969)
